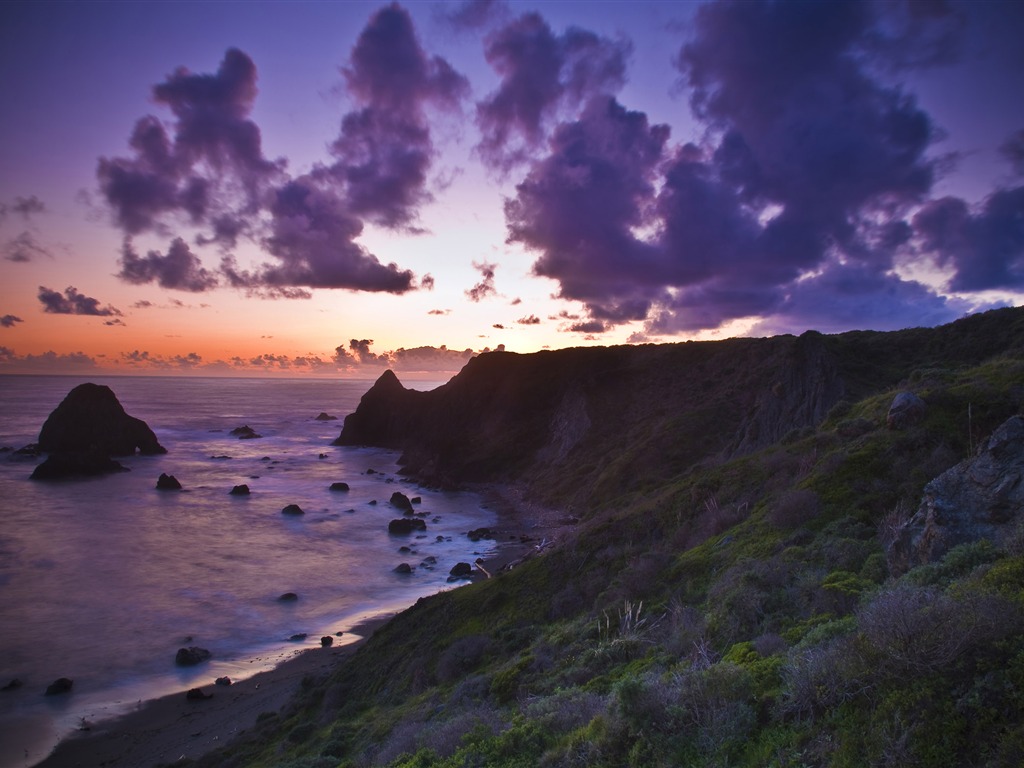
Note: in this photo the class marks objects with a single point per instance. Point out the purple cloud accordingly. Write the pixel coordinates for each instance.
(24, 248)
(179, 269)
(8, 321)
(71, 302)
(809, 159)
(542, 74)
(485, 287)
(984, 247)
(529, 320)
(25, 207)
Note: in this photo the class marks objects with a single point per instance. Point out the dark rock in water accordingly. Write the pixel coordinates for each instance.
(239, 490)
(91, 420)
(225, 681)
(288, 597)
(401, 501)
(59, 686)
(299, 636)
(326, 417)
(372, 502)
(480, 533)
(245, 433)
(980, 498)
(326, 641)
(167, 483)
(61, 466)
(28, 452)
(339, 486)
(406, 525)
(416, 500)
(403, 568)
(13, 685)
(292, 509)
(189, 657)
(461, 571)
(197, 694)
(906, 410)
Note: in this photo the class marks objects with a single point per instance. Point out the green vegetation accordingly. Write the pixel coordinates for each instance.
(722, 613)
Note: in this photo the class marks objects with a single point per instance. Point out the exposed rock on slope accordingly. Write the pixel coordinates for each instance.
(91, 420)
(980, 498)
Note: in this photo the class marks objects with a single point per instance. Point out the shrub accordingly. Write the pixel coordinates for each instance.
(793, 508)
(461, 657)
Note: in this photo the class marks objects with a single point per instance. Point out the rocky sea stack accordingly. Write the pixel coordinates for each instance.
(91, 420)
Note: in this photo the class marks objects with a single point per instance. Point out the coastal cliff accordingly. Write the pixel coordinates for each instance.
(575, 423)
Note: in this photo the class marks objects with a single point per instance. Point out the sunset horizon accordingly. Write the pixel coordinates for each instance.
(334, 189)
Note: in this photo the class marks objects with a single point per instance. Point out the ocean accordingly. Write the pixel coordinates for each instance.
(103, 579)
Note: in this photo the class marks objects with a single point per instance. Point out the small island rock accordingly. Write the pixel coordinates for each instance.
(91, 420)
(167, 483)
(189, 657)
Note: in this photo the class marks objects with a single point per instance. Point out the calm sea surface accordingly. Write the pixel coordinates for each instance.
(102, 580)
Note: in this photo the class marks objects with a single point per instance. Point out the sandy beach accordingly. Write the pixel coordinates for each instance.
(173, 727)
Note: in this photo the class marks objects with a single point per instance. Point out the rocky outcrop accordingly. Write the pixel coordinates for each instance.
(980, 498)
(400, 501)
(167, 483)
(63, 466)
(91, 420)
(906, 410)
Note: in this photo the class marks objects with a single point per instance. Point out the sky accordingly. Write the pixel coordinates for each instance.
(334, 188)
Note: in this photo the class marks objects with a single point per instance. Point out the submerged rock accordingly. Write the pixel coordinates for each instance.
(288, 597)
(403, 568)
(292, 509)
(239, 490)
(59, 686)
(245, 432)
(326, 417)
(61, 466)
(91, 420)
(405, 525)
(339, 487)
(189, 657)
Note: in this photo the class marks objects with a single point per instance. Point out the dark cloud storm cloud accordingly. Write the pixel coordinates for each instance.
(208, 171)
(811, 165)
(71, 302)
(24, 248)
(179, 268)
(485, 287)
(542, 74)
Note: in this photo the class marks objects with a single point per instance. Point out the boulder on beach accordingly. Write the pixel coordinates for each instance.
(91, 420)
(245, 432)
(239, 490)
(197, 694)
(480, 533)
(292, 509)
(224, 681)
(62, 466)
(326, 641)
(189, 657)
(167, 483)
(461, 571)
(405, 525)
(59, 686)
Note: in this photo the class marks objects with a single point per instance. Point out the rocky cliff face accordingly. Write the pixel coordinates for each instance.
(610, 414)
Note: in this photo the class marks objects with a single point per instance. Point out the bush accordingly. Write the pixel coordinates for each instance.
(462, 657)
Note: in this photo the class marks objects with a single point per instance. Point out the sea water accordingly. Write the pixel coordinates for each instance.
(103, 579)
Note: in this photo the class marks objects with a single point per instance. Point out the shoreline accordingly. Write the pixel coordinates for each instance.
(171, 727)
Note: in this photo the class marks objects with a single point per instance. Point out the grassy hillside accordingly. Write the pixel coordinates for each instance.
(728, 607)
